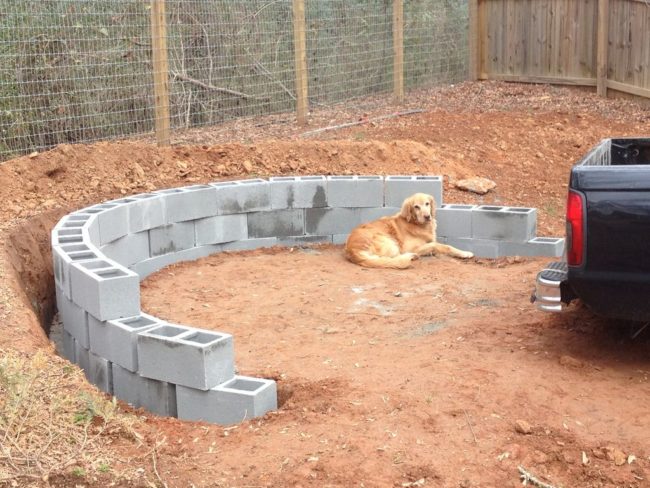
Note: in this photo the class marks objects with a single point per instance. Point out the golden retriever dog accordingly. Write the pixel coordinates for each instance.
(395, 242)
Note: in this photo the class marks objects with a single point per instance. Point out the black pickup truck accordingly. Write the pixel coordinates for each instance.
(607, 255)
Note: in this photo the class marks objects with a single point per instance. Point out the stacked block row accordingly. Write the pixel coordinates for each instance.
(101, 253)
(491, 231)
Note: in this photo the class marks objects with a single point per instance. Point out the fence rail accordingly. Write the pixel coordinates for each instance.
(603, 43)
(84, 70)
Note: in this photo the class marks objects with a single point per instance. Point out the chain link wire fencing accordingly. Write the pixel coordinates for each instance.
(76, 71)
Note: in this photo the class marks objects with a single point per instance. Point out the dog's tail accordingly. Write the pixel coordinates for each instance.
(369, 260)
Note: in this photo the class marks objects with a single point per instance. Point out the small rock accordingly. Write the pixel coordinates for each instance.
(540, 457)
(571, 362)
(616, 455)
(476, 185)
(585, 458)
(33, 155)
(598, 453)
(523, 427)
(248, 166)
(397, 294)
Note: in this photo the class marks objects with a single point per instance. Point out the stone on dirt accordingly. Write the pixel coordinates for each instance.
(476, 185)
(523, 427)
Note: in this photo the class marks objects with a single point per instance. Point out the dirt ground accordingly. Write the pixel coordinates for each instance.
(386, 379)
(390, 377)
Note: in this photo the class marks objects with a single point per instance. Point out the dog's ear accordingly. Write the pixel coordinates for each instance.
(432, 203)
(407, 210)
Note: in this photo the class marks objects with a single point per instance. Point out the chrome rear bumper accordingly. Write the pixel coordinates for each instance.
(548, 294)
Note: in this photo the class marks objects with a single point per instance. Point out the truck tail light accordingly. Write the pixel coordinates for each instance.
(575, 229)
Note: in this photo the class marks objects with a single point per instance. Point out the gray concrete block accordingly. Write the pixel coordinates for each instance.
(128, 250)
(223, 228)
(539, 246)
(99, 373)
(171, 238)
(243, 196)
(116, 340)
(155, 396)
(355, 191)
(68, 350)
(504, 223)
(105, 289)
(189, 203)
(250, 244)
(74, 319)
(276, 223)
(454, 220)
(151, 265)
(186, 356)
(399, 188)
(298, 192)
(63, 255)
(482, 248)
(303, 241)
(339, 239)
(369, 214)
(240, 399)
(323, 221)
(113, 221)
(146, 211)
(82, 356)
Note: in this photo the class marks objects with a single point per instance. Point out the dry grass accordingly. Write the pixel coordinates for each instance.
(53, 423)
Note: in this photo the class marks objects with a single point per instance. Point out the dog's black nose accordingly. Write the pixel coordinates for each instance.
(428, 217)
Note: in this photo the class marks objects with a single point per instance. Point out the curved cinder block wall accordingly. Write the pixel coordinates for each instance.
(101, 253)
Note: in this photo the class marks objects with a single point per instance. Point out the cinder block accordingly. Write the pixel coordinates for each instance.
(186, 356)
(146, 211)
(276, 223)
(63, 255)
(369, 214)
(171, 238)
(240, 399)
(99, 373)
(250, 244)
(68, 350)
(151, 265)
(105, 289)
(74, 319)
(116, 340)
(155, 396)
(113, 221)
(189, 203)
(399, 188)
(243, 196)
(355, 191)
(539, 246)
(128, 250)
(339, 239)
(298, 192)
(504, 223)
(454, 220)
(303, 241)
(323, 221)
(223, 228)
(482, 248)
(82, 356)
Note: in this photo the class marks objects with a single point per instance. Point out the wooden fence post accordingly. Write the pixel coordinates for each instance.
(398, 49)
(160, 71)
(603, 47)
(300, 52)
(473, 40)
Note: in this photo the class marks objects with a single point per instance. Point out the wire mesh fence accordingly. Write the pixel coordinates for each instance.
(81, 70)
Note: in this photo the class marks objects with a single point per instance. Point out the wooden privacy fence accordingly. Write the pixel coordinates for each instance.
(602, 43)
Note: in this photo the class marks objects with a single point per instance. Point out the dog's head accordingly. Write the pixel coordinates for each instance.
(419, 209)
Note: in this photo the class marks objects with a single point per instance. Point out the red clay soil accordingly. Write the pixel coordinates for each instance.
(495, 360)
(389, 377)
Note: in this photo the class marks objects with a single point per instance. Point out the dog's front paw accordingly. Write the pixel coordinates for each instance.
(413, 256)
(467, 255)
